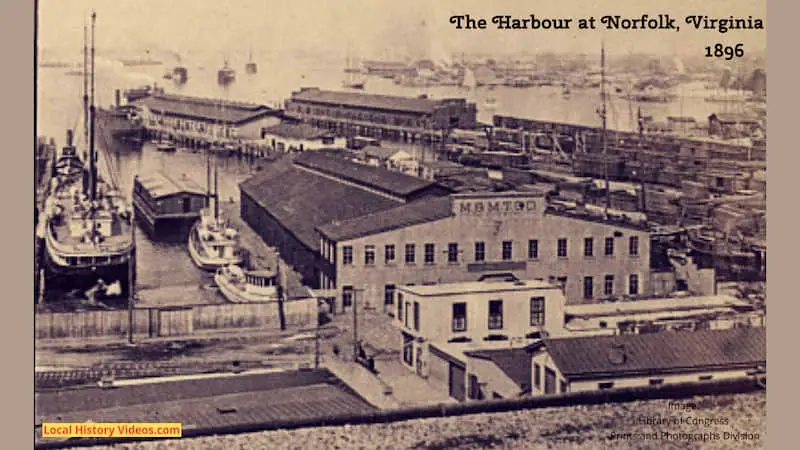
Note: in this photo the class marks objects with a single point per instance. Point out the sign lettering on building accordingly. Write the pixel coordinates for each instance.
(495, 208)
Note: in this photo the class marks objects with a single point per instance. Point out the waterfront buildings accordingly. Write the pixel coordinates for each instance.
(289, 137)
(406, 119)
(206, 118)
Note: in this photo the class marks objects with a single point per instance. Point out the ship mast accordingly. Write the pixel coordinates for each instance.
(85, 88)
(92, 156)
(603, 117)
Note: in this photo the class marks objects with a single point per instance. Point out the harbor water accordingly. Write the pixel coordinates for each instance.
(166, 268)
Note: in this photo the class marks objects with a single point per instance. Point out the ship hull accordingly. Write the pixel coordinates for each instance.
(115, 126)
(235, 295)
(60, 281)
(202, 261)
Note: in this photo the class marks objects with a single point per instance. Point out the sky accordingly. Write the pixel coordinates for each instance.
(373, 28)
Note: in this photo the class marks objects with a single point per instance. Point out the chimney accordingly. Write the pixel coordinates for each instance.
(116, 98)
(69, 138)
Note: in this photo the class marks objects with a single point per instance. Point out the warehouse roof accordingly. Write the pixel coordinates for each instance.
(211, 110)
(388, 182)
(297, 131)
(514, 362)
(595, 357)
(372, 101)
(302, 201)
(160, 185)
(414, 213)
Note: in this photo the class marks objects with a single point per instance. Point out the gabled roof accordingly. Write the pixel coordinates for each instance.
(211, 110)
(414, 213)
(596, 357)
(301, 201)
(160, 185)
(372, 101)
(297, 131)
(516, 363)
(383, 152)
(377, 178)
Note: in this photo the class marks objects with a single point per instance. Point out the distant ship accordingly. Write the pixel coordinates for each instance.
(351, 81)
(136, 62)
(251, 67)
(226, 75)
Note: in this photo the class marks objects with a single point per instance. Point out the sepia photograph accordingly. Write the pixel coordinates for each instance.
(400, 225)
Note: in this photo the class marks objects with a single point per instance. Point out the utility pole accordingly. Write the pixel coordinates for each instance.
(355, 326)
(641, 147)
(131, 281)
(316, 334)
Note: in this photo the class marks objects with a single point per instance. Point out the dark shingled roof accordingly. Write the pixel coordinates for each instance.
(297, 131)
(302, 201)
(516, 363)
(207, 109)
(414, 213)
(595, 357)
(380, 179)
(372, 101)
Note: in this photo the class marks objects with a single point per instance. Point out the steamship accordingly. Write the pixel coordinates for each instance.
(88, 224)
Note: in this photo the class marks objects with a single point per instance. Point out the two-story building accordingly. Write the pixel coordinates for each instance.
(204, 117)
(440, 322)
(463, 237)
(407, 119)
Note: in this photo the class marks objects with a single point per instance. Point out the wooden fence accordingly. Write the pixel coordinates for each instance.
(175, 321)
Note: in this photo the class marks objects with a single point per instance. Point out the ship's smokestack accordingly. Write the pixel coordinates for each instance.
(69, 138)
(116, 98)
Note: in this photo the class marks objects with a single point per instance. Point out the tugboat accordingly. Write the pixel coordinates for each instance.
(226, 75)
(212, 244)
(88, 223)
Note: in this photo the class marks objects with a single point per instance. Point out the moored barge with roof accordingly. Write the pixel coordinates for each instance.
(166, 207)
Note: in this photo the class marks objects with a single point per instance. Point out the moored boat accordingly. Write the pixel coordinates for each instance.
(226, 75)
(88, 223)
(247, 286)
(212, 244)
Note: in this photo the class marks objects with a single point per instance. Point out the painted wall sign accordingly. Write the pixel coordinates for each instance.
(495, 208)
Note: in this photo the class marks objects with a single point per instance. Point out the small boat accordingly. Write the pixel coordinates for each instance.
(212, 244)
(166, 146)
(245, 286)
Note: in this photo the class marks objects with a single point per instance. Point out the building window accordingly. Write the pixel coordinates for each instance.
(475, 388)
(609, 247)
(388, 294)
(408, 313)
(533, 249)
(408, 349)
(480, 251)
(633, 284)
(608, 285)
(347, 255)
(537, 376)
(537, 311)
(459, 317)
(411, 254)
(430, 253)
(588, 247)
(389, 253)
(633, 246)
(563, 386)
(347, 296)
(562, 248)
(416, 316)
(508, 250)
(606, 385)
(587, 287)
(495, 314)
(369, 255)
(452, 252)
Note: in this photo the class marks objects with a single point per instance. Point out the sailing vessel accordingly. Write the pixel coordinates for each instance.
(251, 67)
(212, 243)
(88, 223)
(226, 75)
(351, 80)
